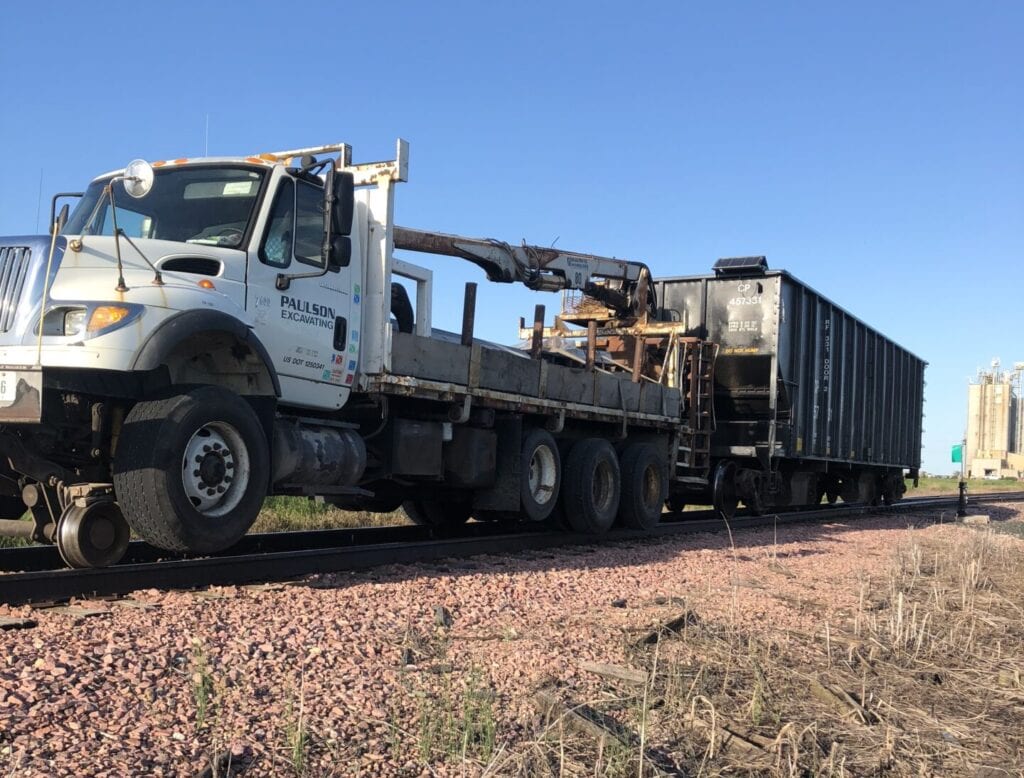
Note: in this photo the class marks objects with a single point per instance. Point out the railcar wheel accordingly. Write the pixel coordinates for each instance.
(868, 488)
(723, 489)
(437, 513)
(12, 507)
(644, 486)
(191, 469)
(893, 488)
(591, 493)
(92, 535)
(540, 468)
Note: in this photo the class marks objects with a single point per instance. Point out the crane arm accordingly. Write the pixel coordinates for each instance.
(621, 284)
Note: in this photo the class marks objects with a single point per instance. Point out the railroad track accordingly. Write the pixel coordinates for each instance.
(35, 574)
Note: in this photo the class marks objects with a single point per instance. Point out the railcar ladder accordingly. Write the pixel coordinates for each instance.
(698, 366)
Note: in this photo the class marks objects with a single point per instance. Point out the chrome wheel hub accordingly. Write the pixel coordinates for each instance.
(215, 469)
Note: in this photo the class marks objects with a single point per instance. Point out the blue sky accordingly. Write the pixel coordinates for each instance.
(872, 149)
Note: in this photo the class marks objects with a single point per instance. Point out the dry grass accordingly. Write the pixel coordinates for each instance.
(288, 514)
(933, 485)
(923, 677)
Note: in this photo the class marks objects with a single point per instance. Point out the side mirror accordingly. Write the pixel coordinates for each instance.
(341, 251)
(138, 178)
(339, 205)
(62, 218)
(344, 203)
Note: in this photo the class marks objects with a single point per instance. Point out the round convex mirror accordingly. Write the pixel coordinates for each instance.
(138, 178)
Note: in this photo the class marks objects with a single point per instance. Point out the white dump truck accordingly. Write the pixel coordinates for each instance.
(197, 334)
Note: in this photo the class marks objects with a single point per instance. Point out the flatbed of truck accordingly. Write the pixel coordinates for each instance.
(504, 378)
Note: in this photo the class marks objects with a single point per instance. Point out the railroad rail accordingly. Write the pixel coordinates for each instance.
(35, 574)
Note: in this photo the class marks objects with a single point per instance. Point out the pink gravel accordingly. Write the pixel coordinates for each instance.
(114, 694)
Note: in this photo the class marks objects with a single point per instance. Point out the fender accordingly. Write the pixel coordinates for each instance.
(182, 326)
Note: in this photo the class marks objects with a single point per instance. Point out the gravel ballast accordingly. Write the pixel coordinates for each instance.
(337, 675)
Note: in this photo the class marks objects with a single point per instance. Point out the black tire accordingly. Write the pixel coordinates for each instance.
(437, 513)
(150, 474)
(540, 475)
(644, 486)
(723, 489)
(592, 486)
(12, 507)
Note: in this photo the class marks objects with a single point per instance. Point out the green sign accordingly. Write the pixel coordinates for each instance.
(958, 452)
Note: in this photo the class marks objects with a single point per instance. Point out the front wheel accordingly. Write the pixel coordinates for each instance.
(191, 469)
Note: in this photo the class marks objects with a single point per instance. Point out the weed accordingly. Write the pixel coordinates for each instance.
(458, 724)
(296, 732)
(202, 683)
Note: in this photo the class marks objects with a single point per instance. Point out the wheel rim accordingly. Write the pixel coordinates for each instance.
(603, 487)
(215, 469)
(651, 487)
(543, 475)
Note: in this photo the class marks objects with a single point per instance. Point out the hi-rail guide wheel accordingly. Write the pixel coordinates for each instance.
(92, 533)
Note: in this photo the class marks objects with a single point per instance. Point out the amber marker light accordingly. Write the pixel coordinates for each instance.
(206, 283)
(104, 316)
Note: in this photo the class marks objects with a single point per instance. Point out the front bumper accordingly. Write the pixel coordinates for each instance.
(21, 395)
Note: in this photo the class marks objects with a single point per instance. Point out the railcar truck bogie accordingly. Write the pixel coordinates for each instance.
(198, 334)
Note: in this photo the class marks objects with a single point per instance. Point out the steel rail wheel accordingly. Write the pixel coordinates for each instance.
(92, 535)
(723, 489)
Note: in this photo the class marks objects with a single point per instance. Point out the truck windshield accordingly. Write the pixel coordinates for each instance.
(209, 205)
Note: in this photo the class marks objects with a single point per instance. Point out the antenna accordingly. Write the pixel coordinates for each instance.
(206, 144)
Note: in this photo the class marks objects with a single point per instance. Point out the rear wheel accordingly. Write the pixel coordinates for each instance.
(191, 469)
(644, 486)
(592, 486)
(540, 470)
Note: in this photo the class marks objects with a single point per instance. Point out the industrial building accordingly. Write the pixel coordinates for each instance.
(995, 423)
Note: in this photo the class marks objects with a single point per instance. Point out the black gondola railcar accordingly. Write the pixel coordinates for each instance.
(809, 401)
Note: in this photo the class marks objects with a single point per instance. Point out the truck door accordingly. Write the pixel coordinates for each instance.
(306, 327)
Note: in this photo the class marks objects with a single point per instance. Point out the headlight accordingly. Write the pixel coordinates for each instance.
(87, 320)
(74, 320)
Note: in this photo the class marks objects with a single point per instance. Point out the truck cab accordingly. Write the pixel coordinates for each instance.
(180, 273)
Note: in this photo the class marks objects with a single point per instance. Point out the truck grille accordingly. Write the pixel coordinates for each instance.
(14, 262)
